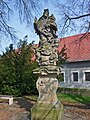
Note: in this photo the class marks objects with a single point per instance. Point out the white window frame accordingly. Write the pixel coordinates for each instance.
(72, 76)
(84, 76)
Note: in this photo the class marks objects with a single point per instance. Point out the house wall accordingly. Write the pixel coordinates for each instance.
(81, 68)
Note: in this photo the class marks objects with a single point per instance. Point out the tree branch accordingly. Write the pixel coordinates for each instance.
(79, 16)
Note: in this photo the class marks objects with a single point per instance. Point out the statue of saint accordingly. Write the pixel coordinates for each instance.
(45, 27)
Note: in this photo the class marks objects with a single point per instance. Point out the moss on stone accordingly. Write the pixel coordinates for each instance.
(47, 112)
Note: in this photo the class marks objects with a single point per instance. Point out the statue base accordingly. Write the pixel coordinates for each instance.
(48, 106)
(45, 111)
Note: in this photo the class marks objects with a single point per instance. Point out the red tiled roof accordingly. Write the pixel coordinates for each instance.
(77, 47)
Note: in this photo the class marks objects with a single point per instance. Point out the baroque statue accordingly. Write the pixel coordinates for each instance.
(46, 28)
(47, 57)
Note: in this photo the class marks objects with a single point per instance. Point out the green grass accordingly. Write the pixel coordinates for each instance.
(31, 97)
(72, 98)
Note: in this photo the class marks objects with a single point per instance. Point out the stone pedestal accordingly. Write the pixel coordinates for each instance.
(46, 111)
(48, 107)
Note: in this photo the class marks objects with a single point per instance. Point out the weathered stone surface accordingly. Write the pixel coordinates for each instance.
(46, 28)
(47, 70)
(47, 87)
(47, 112)
(48, 107)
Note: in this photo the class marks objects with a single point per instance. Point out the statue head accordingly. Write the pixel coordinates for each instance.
(46, 13)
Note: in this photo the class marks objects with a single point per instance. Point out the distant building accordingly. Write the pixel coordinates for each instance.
(76, 70)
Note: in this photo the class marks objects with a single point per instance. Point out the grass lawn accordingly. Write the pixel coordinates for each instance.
(73, 98)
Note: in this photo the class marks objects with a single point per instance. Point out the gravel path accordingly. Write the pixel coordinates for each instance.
(20, 110)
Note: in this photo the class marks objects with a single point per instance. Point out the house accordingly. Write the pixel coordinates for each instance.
(76, 69)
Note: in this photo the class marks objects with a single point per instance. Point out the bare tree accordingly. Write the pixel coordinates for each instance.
(74, 16)
(23, 8)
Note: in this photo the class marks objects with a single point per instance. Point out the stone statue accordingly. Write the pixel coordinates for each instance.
(45, 27)
(47, 57)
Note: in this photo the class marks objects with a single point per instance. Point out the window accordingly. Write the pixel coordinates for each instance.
(75, 76)
(87, 76)
(61, 77)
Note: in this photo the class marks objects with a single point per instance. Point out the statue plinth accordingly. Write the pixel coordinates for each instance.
(47, 84)
(44, 111)
(48, 106)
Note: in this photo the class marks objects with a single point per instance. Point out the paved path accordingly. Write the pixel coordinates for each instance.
(67, 116)
(20, 110)
(71, 114)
